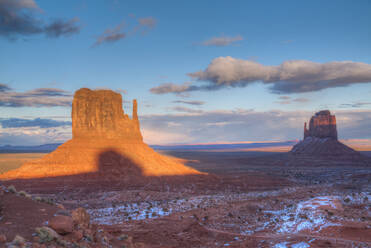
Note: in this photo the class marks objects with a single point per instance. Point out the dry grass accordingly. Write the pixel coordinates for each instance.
(11, 161)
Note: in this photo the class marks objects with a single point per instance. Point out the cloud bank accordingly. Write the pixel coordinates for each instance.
(18, 18)
(42, 97)
(295, 76)
(4, 87)
(249, 125)
(200, 127)
(38, 122)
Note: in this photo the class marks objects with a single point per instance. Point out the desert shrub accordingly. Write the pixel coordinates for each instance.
(46, 234)
(62, 243)
(18, 240)
(12, 189)
(122, 237)
(330, 213)
(347, 200)
(50, 201)
(22, 193)
(38, 198)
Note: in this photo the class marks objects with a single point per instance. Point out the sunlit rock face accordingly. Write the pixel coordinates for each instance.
(99, 114)
(106, 143)
(321, 125)
(321, 139)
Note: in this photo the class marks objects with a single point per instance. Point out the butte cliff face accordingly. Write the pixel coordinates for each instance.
(321, 139)
(98, 114)
(105, 143)
(321, 125)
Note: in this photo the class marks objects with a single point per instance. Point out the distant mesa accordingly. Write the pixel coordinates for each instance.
(105, 142)
(321, 139)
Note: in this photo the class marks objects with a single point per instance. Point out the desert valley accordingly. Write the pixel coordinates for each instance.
(185, 124)
(106, 188)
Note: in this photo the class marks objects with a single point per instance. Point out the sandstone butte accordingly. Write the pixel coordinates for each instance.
(104, 140)
(321, 139)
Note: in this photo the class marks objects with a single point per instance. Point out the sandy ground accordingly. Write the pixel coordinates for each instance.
(11, 161)
(254, 199)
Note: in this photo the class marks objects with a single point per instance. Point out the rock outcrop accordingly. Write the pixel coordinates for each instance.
(321, 139)
(321, 125)
(106, 143)
(98, 114)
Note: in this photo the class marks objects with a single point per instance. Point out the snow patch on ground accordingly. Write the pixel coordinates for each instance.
(297, 245)
(154, 209)
(308, 215)
(281, 245)
(300, 245)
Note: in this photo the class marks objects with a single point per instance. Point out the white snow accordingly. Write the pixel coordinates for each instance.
(155, 209)
(308, 216)
(280, 245)
(300, 245)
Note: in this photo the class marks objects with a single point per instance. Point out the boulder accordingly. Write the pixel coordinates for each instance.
(61, 224)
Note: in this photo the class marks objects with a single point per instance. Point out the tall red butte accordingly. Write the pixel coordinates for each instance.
(321, 139)
(104, 141)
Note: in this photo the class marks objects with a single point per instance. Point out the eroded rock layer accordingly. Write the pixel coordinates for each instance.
(105, 141)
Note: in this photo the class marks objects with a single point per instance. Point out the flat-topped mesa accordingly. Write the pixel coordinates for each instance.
(99, 114)
(321, 125)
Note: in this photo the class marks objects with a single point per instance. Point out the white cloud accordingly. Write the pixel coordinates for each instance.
(222, 40)
(293, 76)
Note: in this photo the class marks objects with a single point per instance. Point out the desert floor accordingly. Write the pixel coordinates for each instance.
(252, 199)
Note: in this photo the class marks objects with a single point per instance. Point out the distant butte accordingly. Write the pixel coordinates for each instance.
(321, 139)
(105, 142)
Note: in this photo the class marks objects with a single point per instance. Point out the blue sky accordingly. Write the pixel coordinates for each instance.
(145, 44)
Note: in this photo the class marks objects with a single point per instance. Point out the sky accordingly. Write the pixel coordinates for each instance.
(202, 71)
